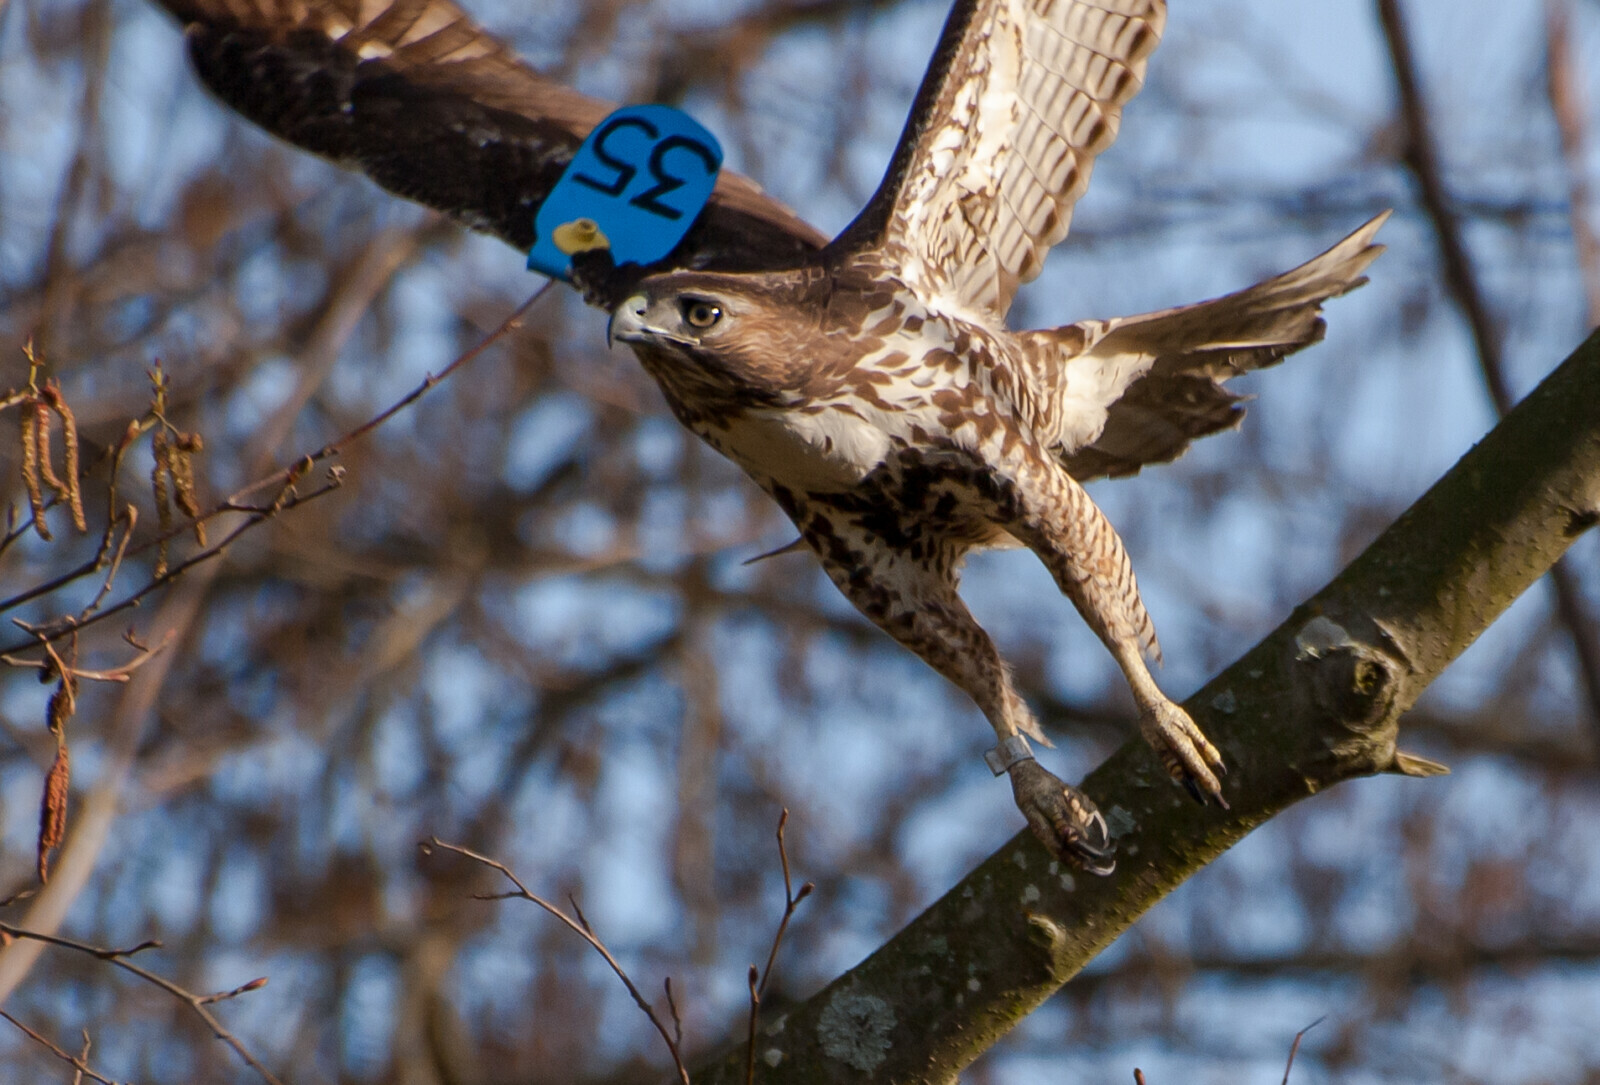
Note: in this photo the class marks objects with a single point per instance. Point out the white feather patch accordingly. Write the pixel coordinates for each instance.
(828, 450)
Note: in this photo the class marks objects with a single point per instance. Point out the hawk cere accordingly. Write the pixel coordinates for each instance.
(869, 384)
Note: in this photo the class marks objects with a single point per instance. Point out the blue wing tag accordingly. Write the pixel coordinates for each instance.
(635, 187)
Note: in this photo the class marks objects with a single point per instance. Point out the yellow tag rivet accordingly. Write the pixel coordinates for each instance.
(579, 235)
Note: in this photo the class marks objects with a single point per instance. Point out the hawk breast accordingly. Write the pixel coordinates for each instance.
(819, 449)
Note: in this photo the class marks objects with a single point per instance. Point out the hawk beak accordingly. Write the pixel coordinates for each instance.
(627, 321)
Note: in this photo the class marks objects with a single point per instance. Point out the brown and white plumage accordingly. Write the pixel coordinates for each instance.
(1020, 97)
(869, 385)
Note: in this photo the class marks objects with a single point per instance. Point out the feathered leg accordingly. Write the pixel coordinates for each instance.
(915, 601)
(1052, 515)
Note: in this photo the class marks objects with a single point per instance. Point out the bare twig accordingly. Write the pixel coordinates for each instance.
(1294, 1048)
(195, 1002)
(791, 901)
(131, 516)
(330, 450)
(672, 1008)
(579, 925)
(79, 1063)
(113, 674)
(285, 498)
(77, 1078)
(179, 612)
(755, 1015)
(1421, 157)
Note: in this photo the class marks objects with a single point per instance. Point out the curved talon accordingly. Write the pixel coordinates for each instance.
(1188, 755)
(1063, 818)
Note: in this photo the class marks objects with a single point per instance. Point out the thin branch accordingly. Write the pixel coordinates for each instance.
(54, 664)
(579, 926)
(216, 550)
(791, 901)
(330, 450)
(114, 564)
(78, 1063)
(195, 1002)
(750, 1040)
(285, 498)
(1421, 157)
(77, 1078)
(672, 1008)
(136, 706)
(1294, 1048)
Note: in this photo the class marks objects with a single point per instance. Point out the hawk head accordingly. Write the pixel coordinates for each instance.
(748, 337)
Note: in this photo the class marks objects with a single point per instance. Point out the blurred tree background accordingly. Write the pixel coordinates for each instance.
(521, 620)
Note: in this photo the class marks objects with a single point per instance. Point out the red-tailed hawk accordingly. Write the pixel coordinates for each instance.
(868, 384)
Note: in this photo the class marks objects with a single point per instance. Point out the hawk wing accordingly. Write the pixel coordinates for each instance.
(1162, 374)
(433, 108)
(1019, 99)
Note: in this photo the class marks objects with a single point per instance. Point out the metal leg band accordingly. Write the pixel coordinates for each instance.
(1009, 752)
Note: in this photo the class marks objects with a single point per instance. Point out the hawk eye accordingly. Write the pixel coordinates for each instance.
(698, 313)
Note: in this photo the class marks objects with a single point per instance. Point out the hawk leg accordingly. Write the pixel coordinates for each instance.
(916, 603)
(1060, 523)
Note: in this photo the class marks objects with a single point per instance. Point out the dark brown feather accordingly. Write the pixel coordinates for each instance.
(435, 109)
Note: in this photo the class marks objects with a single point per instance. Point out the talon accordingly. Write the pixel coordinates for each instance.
(1187, 754)
(1097, 859)
(1063, 818)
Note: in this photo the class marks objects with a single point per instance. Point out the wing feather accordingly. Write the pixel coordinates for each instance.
(1020, 98)
(1143, 387)
(432, 107)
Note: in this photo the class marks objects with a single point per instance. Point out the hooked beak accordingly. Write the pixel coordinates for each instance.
(627, 321)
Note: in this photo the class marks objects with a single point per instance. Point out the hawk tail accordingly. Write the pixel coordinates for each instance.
(1253, 327)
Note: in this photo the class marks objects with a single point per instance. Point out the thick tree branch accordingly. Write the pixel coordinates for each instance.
(1318, 701)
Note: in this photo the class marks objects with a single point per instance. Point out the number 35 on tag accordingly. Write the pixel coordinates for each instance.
(635, 187)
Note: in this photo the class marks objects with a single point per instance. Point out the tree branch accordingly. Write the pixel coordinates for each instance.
(1318, 701)
(1421, 157)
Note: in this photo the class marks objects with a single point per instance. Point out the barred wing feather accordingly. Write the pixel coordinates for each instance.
(1019, 99)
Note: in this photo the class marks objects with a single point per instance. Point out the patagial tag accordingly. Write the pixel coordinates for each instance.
(635, 187)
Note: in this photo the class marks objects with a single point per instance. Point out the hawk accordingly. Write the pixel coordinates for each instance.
(869, 384)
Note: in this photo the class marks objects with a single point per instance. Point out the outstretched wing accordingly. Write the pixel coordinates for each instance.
(1019, 99)
(1160, 376)
(433, 108)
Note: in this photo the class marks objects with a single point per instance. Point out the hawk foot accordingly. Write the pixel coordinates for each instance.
(1188, 756)
(1063, 818)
